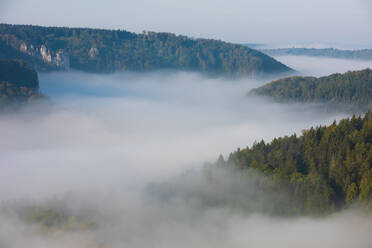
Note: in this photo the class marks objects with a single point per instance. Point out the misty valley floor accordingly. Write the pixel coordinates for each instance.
(104, 140)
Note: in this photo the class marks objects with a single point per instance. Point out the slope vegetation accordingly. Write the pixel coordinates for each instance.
(97, 50)
(351, 88)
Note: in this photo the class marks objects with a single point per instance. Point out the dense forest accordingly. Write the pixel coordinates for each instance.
(351, 88)
(327, 168)
(363, 54)
(18, 83)
(97, 50)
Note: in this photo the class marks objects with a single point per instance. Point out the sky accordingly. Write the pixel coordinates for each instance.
(317, 23)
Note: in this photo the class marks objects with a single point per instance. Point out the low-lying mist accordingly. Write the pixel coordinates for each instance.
(322, 66)
(127, 150)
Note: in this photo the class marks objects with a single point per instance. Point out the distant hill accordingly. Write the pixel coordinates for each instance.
(364, 54)
(254, 45)
(351, 88)
(18, 83)
(97, 50)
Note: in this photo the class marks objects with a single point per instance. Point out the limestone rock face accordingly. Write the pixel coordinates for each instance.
(28, 49)
(45, 54)
(59, 58)
(93, 52)
(23, 47)
(62, 59)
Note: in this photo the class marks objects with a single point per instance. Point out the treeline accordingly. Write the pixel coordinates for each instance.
(18, 83)
(97, 50)
(363, 54)
(325, 169)
(52, 220)
(48, 220)
(351, 88)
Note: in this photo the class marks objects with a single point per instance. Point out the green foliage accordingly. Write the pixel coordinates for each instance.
(96, 50)
(366, 188)
(18, 82)
(325, 169)
(16, 71)
(351, 88)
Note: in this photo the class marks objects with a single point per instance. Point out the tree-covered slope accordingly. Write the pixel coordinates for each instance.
(97, 50)
(350, 88)
(324, 169)
(18, 82)
(363, 54)
(8, 52)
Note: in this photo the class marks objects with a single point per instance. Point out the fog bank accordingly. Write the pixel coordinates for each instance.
(320, 66)
(111, 148)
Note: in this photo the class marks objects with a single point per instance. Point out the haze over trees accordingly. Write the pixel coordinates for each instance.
(352, 88)
(363, 54)
(117, 154)
(325, 169)
(97, 50)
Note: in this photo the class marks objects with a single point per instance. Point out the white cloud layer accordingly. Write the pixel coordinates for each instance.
(103, 138)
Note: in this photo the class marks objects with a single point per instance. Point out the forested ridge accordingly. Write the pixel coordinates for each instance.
(327, 168)
(98, 50)
(18, 82)
(350, 88)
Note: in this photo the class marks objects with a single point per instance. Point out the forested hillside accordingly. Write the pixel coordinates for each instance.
(363, 54)
(97, 50)
(325, 169)
(18, 82)
(351, 88)
(8, 52)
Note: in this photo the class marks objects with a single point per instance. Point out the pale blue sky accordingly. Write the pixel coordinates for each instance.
(293, 22)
